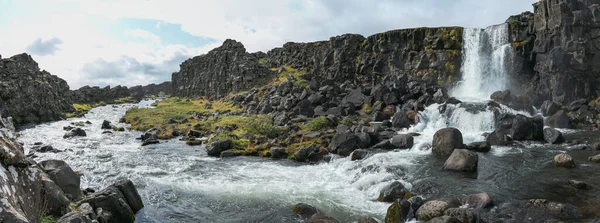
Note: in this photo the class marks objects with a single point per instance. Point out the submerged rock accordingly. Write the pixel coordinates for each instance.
(74, 133)
(462, 160)
(483, 147)
(446, 140)
(321, 218)
(304, 210)
(595, 158)
(481, 200)
(564, 160)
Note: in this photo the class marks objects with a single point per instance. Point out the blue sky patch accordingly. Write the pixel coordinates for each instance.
(168, 33)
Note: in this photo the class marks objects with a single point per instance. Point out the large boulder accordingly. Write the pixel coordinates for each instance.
(343, 144)
(215, 148)
(62, 174)
(498, 137)
(446, 140)
(74, 133)
(121, 200)
(462, 160)
(553, 136)
(392, 192)
(56, 203)
(525, 128)
(355, 98)
(403, 141)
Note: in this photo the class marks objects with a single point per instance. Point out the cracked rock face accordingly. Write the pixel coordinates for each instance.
(30, 95)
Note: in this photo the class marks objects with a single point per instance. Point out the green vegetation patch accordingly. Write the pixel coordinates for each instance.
(318, 123)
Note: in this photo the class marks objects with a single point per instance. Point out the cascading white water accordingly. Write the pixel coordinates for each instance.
(486, 53)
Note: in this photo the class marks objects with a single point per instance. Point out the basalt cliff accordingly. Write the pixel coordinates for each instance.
(554, 54)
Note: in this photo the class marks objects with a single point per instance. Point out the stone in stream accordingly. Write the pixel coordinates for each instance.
(462, 160)
(398, 212)
(446, 140)
(595, 159)
(400, 120)
(106, 125)
(366, 219)
(402, 141)
(435, 208)
(121, 200)
(564, 160)
(359, 154)
(462, 214)
(444, 219)
(498, 137)
(48, 149)
(74, 133)
(321, 218)
(305, 211)
(579, 184)
(215, 148)
(63, 176)
(483, 147)
(526, 128)
(392, 192)
(481, 200)
(553, 136)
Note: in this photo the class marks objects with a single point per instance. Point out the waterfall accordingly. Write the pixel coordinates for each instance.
(486, 53)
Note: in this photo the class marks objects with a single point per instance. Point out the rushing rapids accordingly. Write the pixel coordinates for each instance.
(180, 183)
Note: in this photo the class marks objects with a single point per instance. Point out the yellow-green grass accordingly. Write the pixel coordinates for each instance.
(125, 100)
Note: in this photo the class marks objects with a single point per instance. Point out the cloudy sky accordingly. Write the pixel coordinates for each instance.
(110, 42)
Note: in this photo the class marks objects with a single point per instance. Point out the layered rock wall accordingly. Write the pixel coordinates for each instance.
(567, 48)
(87, 94)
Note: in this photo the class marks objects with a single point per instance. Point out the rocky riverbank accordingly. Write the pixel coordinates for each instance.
(49, 190)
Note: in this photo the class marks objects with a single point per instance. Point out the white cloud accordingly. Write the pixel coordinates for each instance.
(259, 25)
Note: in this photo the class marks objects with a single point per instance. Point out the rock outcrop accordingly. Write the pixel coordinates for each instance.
(225, 69)
(31, 95)
(567, 49)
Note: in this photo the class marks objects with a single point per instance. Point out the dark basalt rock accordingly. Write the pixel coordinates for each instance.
(30, 95)
(525, 128)
(228, 68)
(446, 140)
(121, 200)
(398, 212)
(553, 136)
(344, 144)
(392, 192)
(74, 133)
(215, 148)
(64, 176)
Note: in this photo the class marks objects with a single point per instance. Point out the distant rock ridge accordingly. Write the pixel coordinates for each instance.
(426, 54)
(87, 94)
